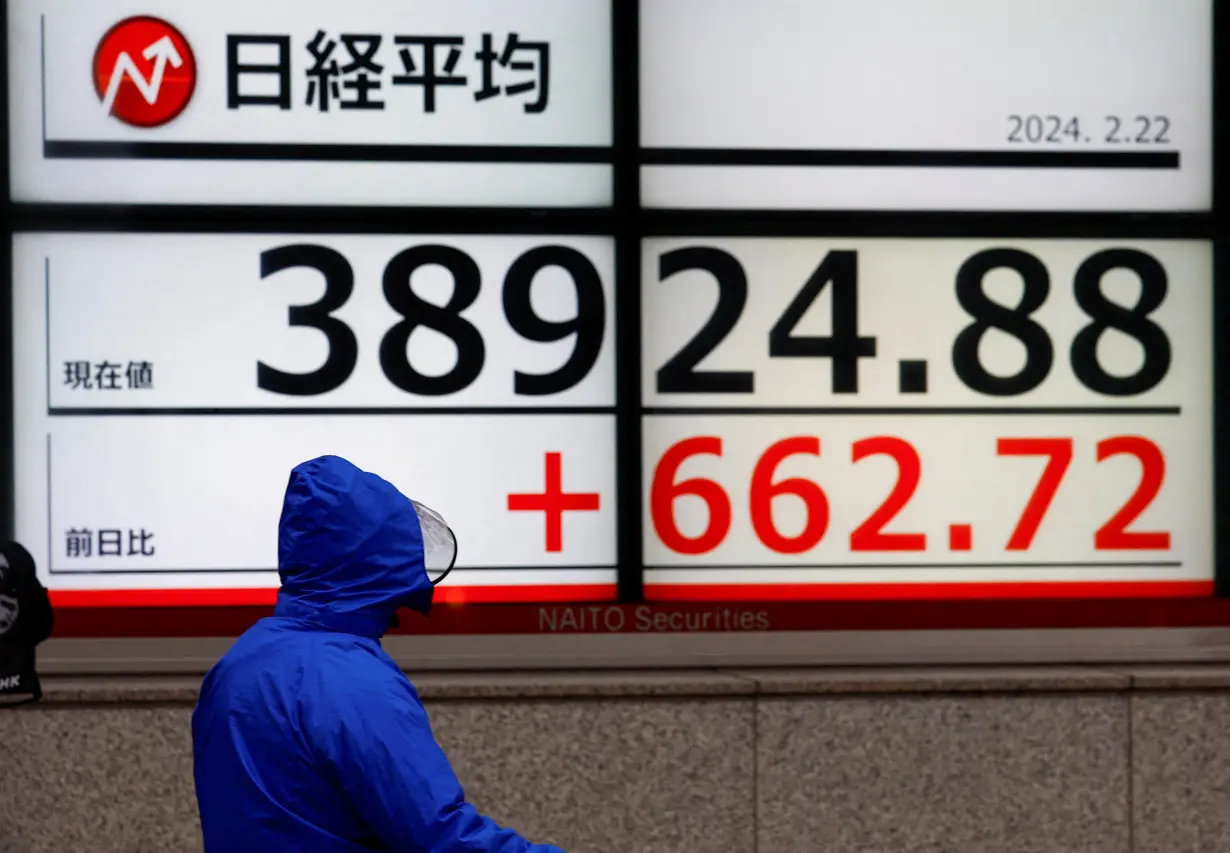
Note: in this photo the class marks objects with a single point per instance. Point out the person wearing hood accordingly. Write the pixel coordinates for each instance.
(307, 736)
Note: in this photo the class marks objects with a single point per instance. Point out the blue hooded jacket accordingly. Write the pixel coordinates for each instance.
(307, 736)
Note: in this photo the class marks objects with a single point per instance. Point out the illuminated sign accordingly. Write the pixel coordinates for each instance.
(461, 103)
(871, 417)
(168, 384)
(817, 417)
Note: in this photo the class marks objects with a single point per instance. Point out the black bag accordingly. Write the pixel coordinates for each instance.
(25, 621)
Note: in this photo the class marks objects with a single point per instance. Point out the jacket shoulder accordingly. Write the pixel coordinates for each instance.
(348, 676)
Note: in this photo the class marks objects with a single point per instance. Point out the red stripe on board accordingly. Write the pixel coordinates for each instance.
(525, 594)
(925, 591)
(265, 598)
(68, 599)
(478, 619)
(1137, 606)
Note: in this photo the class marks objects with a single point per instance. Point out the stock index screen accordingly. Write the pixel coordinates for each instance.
(719, 391)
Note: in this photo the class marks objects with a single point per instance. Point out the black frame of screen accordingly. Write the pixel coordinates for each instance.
(629, 224)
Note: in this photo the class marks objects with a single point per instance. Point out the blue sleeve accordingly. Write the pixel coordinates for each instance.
(379, 744)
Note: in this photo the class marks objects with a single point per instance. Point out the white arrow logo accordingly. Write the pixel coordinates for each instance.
(162, 52)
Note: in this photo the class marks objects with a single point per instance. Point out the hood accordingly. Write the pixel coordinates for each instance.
(350, 549)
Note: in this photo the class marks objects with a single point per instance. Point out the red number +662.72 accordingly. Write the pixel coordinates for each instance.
(1113, 535)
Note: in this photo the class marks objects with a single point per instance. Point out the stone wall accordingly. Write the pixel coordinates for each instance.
(1036, 760)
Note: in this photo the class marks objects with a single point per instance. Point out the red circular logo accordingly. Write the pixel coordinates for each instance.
(144, 71)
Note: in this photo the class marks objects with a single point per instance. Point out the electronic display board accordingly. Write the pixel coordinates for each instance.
(720, 394)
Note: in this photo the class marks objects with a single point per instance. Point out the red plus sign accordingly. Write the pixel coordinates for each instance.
(554, 502)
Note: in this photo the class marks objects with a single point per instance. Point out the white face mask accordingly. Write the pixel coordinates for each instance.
(439, 543)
